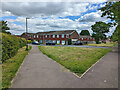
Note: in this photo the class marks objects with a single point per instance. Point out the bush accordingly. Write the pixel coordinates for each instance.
(29, 41)
(10, 45)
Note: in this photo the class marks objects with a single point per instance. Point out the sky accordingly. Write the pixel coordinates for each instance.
(53, 16)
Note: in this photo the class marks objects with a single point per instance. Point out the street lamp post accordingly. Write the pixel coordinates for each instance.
(26, 35)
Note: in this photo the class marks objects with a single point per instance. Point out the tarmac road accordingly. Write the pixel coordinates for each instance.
(39, 71)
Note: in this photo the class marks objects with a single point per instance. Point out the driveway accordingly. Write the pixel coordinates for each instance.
(39, 71)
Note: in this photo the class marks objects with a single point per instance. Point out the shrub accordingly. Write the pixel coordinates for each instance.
(10, 45)
(29, 41)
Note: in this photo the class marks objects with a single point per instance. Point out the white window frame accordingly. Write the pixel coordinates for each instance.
(54, 41)
(57, 36)
(34, 36)
(40, 36)
(46, 36)
(53, 36)
(58, 41)
(67, 35)
(62, 35)
(40, 41)
(49, 36)
(62, 42)
(37, 35)
(49, 40)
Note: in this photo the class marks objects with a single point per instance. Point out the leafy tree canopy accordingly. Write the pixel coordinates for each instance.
(112, 11)
(85, 32)
(4, 26)
(99, 30)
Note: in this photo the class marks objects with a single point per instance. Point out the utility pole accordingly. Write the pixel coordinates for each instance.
(26, 34)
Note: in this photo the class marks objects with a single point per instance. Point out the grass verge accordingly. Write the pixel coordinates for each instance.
(108, 44)
(11, 66)
(76, 59)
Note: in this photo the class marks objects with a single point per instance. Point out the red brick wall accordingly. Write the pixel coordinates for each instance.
(74, 35)
(86, 39)
(60, 38)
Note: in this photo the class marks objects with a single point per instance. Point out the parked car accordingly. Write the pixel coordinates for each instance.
(50, 43)
(78, 43)
(36, 43)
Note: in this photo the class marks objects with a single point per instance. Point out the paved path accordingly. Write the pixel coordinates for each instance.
(39, 71)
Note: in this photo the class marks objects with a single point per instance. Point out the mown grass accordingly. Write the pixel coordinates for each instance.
(76, 59)
(108, 44)
(11, 66)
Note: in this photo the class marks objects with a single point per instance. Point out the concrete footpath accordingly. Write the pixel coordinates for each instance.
(39, 71)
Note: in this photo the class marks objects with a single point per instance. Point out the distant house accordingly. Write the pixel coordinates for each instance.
(86, 39)
(58, 37)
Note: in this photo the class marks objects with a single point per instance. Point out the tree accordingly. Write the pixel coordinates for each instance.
(116, 34)
(99, 30)
(4, 26)
(112, 11)
(85, 32)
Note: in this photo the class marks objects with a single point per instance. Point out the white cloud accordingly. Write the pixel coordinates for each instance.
(39, 24)
(44, 9)
(55, 1)
(51, 11)
(92, 17)
(19, 29)
(6, 13)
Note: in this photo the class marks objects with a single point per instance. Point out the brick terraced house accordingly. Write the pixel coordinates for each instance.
(58, 37)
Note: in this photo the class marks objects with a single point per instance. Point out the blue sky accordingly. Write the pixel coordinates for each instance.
(45, 16)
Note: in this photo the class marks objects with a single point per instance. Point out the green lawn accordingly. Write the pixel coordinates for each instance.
(108, 44)
(76, 59)
(11, 66)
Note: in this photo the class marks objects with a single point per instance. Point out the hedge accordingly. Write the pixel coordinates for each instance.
(10, 45)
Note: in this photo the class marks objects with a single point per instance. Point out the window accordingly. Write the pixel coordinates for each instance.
(40, 41)
(62, 35)
(37, 35)
(34, 36)
(53, 36)
(54, 41)
(40, 36)
(46, 36)
(50, 41)
(67, 35)
(87, 38)
(58, 41)
(46, 41)
(29, 36)
(43, 36)
(57, 36)
(49, 36)
(63, 42)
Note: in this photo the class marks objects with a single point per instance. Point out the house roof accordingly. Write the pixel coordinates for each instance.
(57, 32)
(54, 32)
(84, 36)
(27, 33)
